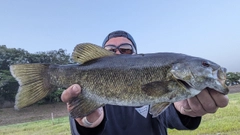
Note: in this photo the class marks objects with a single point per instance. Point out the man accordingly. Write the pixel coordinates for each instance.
(109, 120)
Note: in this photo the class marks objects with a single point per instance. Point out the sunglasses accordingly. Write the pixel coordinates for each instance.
(122, 48)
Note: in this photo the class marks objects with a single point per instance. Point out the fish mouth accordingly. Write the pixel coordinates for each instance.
(221, 87)
(221, 78)
(190, 89)
(225, 91)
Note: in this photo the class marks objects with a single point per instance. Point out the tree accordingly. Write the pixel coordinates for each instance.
(8, 56)
(53, 57)
(233, 78)
(4, 77)
(8, 85)
(6, 81)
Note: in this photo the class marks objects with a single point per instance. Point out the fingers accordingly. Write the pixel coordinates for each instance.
(95, 115)
(220, 99)
(70, 92)
(94, 118)
(196, 107)
(180, 105)
(205, 104)
(184, 108)
(207, 101)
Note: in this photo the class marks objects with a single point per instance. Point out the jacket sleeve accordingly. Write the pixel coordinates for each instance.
(171, 118)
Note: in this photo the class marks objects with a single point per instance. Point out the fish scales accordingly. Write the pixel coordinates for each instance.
(119, 81)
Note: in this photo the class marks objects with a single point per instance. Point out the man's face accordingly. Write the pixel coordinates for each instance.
(120, 45)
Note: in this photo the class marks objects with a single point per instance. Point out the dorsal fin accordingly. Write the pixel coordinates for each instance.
(86, 51)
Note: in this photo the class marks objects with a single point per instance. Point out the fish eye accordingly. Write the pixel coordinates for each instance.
(205, 64)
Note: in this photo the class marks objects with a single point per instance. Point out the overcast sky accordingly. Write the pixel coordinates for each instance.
(204, 28)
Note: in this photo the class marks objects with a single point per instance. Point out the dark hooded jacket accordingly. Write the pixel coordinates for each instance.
(120, 120)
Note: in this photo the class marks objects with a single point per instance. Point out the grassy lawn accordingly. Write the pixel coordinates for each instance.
(225, 121)
(59, 126)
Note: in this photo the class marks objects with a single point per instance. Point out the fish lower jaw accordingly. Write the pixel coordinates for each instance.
(194, 92)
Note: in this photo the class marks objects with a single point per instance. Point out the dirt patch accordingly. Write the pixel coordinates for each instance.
(40, 112)
(32, 113)
(234, 88)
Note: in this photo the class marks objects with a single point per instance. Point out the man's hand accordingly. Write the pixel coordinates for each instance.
(95, 118)
(207, 101)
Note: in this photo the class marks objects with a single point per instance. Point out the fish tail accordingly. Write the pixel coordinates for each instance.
(34, 83)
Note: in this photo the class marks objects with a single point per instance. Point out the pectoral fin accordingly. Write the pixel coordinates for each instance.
(157, 88)
(86, 51)
(157, 109)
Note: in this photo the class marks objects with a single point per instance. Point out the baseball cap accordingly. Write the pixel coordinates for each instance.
(120, 33)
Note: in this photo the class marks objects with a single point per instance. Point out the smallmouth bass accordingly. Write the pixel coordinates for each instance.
(156, 79)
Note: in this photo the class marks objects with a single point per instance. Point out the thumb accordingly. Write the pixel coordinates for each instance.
(70, 92)
(182, 106)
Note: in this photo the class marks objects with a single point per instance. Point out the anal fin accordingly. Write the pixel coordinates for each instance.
(157, 109)
(83, 106)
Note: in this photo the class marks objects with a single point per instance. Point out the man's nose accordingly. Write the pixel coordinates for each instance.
(117, 51)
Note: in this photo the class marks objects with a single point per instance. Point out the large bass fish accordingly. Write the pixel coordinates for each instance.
(156, 79)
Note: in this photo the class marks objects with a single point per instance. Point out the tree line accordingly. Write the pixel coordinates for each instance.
(9, 86)
(233, 78)
(8, 56)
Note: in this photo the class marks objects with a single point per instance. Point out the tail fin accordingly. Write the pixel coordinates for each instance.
(34, 83)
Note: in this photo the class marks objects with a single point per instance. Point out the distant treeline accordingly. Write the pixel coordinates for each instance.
(9, 86)
(8, 56)
(233, 78)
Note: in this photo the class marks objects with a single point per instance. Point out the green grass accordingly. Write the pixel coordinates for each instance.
(224, 121)
(59, 126)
